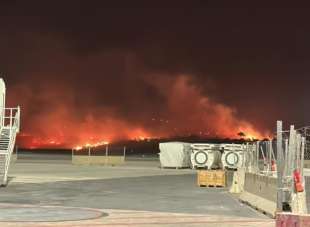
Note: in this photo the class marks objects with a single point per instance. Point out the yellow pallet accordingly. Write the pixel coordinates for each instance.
(211, 178)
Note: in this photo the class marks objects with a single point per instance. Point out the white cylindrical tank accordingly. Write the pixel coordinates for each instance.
(233, 155)
(174, 155)
(205, 156)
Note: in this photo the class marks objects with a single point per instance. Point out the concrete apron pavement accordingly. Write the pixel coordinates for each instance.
(24, 215)
(135, 190)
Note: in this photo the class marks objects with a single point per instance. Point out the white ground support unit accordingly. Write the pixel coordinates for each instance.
(9, 127)
(205, 156)
(233, 155)
(174, 155)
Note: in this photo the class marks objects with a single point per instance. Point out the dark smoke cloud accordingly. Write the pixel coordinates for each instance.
(82, 70)
(112, 95)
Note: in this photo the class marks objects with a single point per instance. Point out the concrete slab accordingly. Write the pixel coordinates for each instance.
(174, 193)
(120, 218)
(136, 193)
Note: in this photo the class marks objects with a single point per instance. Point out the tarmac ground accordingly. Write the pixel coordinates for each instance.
(51, 191)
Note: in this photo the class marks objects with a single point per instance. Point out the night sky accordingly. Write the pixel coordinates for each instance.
(89, 71)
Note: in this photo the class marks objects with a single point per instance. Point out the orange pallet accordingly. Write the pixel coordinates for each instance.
(211, 178)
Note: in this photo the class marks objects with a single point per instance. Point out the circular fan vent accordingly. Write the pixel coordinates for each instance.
(232, 158)
(201, 157)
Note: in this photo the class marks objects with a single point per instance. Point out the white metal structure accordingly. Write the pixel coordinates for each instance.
(233, 155)
(251, 157)
(174, 155)
(205, 156)
(9, 127)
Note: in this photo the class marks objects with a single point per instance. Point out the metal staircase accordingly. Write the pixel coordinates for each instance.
(8, 132)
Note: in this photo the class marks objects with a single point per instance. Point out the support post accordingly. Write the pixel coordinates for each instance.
(124, 152)
(264, 158)
(303, 141)
(257, 157)
(72, 153)
(291, 151)
(16, 151)
(279, 167)
(106, 154)
(291, 161)
(11, 115)
(270, 154)
(89, 160)
(285, 168)
(244, 156)
(298, 153)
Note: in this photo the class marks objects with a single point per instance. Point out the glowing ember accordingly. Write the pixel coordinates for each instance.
(78, 148)
(88, 145)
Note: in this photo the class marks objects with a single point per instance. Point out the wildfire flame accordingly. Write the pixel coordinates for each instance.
(186, 109)
(90, 145)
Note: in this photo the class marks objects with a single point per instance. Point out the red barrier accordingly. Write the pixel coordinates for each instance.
(297, 181)
(273, 165)
(292, 220)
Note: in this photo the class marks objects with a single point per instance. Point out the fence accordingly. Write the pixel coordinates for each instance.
(274, 179)
(305, 131)
(107, 155)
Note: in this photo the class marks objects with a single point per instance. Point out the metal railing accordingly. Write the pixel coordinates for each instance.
(106, 155)
(304, 132)
(260, 157)
(11, 118)
(11, 122)
(291, 149)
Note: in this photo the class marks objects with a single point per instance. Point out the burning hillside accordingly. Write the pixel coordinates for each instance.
(52, 116)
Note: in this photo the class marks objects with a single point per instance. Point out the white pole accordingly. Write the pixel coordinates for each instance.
(285, 170)
(264, 158)
(298, 147)
(279, 167)
(269, 154)
(257, 156)
(11, 115)
(291, 152)
(244, 156)
(16, 151)
(106, 154)
(72, 153)
(303, 141)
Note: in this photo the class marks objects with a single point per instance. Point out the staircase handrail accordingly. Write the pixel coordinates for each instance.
(16, 124)
(13, 117)
(13, 126)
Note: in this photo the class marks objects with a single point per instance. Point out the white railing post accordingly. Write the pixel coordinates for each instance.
(11, 119)
(8, 157)
(280, 167)
(303, 142)
(106, 154)
(11, 110)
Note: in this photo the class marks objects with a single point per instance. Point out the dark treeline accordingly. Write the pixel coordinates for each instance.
(136, 147)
